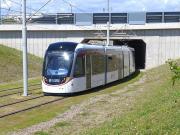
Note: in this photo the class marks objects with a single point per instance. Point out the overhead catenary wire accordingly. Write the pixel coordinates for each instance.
(9, 9)
(6, 3)
(49, 2)
(36, 11)
(65, 1)
(17, 3)
(83, 11)
(72, 5)
(39, 9)
(12, 10)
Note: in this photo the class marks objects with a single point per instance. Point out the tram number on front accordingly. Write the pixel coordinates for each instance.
(54, 80)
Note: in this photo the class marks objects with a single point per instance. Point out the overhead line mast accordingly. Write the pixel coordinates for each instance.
(108, 24)
(24, 46)
(0, 13)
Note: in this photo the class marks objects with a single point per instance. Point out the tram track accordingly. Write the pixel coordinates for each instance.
(16, 88)
(17, 92)
(21, 101)
(32, 107)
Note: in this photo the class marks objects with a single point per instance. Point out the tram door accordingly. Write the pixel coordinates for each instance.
(88, 71)
(121, 66)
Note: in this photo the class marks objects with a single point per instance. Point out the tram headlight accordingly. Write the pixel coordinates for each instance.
(45, 79)
(63, 80)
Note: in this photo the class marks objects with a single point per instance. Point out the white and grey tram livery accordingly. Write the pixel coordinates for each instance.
(71, 67)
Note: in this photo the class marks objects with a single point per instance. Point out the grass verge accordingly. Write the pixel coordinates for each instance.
(157, 111)
(29, 118)
(11, 65)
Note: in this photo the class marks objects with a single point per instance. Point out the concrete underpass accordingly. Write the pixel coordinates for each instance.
(140, 50)
(153, 45)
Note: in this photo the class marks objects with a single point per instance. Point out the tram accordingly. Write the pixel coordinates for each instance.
(74, 67)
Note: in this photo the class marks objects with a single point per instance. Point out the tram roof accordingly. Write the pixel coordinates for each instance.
(72, 46)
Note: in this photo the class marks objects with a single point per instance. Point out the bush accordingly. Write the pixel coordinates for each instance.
(175, 69)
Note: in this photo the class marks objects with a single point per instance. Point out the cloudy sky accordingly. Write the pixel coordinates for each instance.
(61, 6)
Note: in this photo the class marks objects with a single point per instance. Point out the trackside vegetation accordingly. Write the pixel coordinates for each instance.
(156, 112)
(175, 69)
(151, 106)
(147, 103)
(11, 65)
(48, 112)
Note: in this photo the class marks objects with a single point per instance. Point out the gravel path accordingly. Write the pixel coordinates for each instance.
(91, 112)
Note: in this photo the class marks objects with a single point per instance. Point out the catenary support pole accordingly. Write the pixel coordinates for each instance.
(107, 43)
(71, 8)
(24, 46)
(0, 13)
(108, 24)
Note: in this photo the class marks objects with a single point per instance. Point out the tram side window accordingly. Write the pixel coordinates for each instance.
(112, 63)
(98, 64)
(79, 70)
(132, 62)
(126, 63)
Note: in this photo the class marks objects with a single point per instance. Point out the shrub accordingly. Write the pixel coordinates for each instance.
(175, 69)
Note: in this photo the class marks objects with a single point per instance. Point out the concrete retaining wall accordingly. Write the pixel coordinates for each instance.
(161, 44)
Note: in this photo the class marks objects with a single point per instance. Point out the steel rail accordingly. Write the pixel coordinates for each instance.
(32, 107)
(18, 92)
(15, 88)
(21, 101)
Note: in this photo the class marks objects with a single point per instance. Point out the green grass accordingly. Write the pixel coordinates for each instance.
(41, 133)
(16, 84)
(11, 65)
(62, 124)
(29, 118)
(156, 112)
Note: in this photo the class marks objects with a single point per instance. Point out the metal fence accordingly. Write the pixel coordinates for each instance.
(96, 18)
